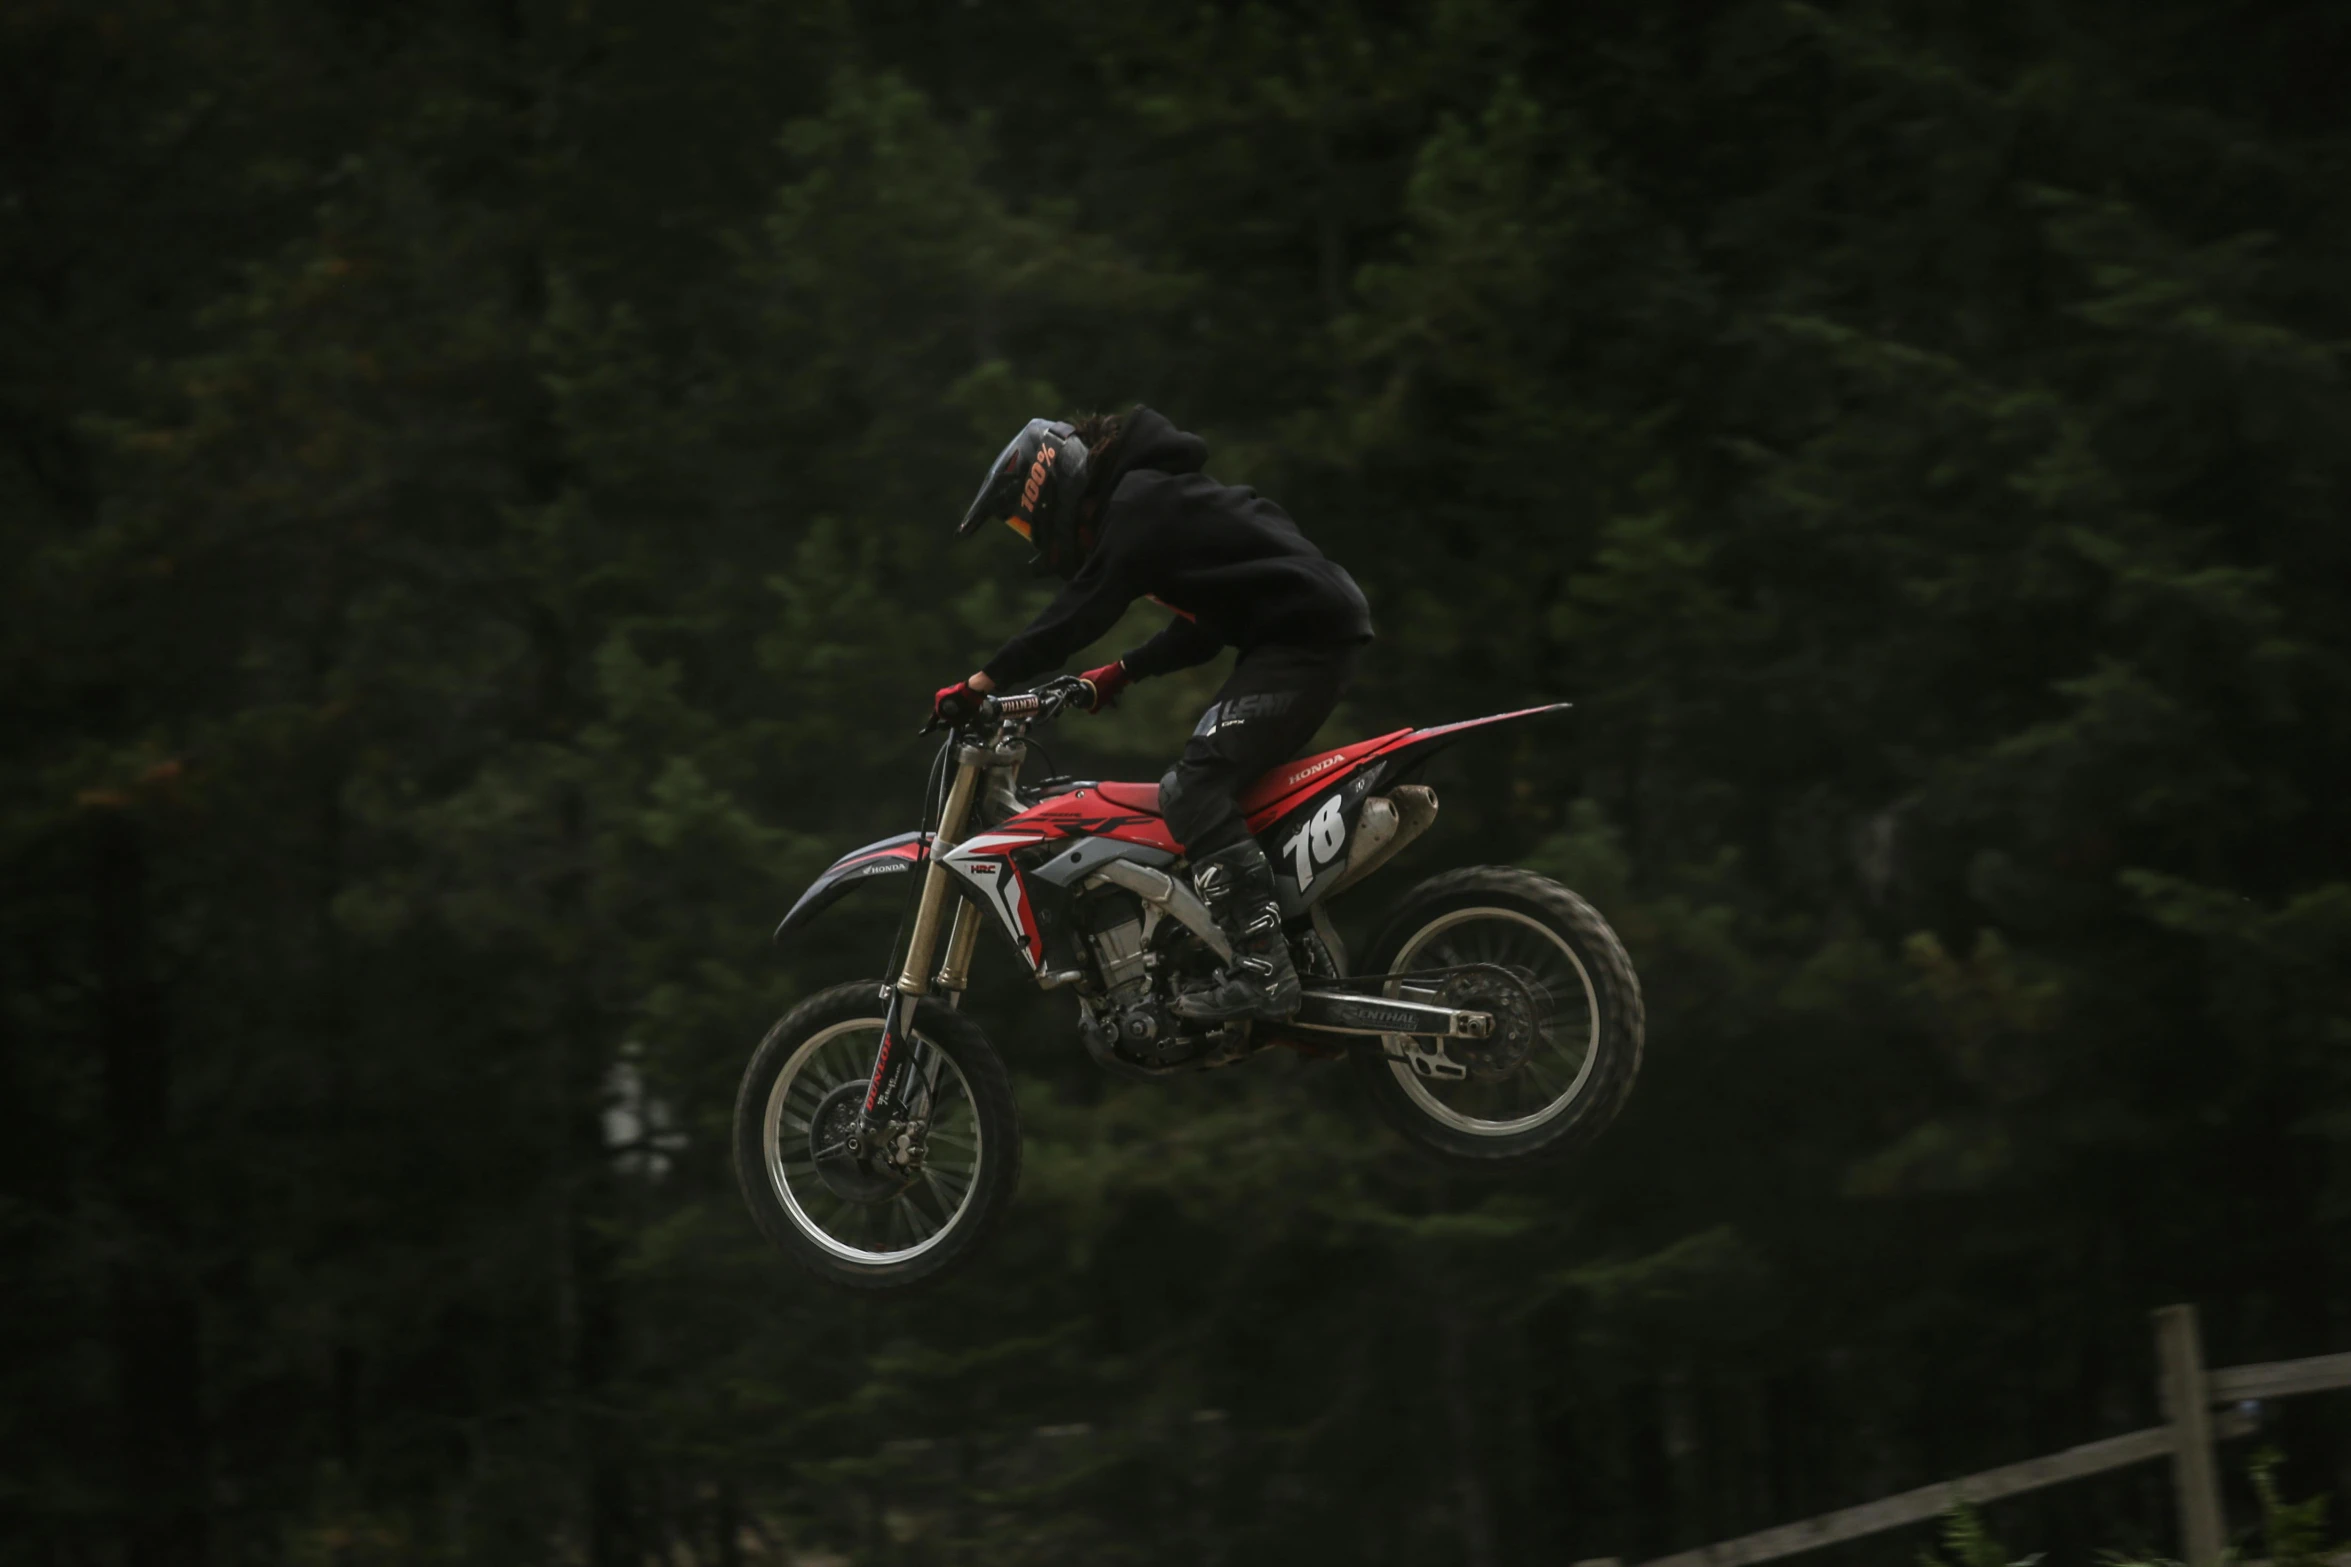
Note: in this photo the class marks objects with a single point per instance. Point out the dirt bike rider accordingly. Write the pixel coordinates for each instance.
(1119, 507)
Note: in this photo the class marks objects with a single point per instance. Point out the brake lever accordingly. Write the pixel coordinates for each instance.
(1056, 696)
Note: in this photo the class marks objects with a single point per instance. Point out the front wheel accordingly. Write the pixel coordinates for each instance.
(898, 1215)
(1568, 1024)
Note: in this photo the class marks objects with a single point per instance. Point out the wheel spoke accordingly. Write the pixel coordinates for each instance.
(1532, 1075)
(949, 1206)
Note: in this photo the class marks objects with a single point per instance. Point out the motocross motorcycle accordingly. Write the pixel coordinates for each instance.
(1494, 1019)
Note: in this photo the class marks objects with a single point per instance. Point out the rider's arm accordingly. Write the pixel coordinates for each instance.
(1180, 646)
(1080, 613)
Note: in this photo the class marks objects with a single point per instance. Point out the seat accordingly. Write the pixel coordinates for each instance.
(1130, 796)
(1275, 788)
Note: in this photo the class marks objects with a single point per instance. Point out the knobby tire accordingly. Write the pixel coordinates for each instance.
(1616, 999)
(990, 1088)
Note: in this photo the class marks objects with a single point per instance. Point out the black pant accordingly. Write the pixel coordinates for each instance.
(1274, 701)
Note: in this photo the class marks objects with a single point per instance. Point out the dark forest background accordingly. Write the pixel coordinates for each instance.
(475, 503)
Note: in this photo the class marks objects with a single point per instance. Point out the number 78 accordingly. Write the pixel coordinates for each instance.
(1317, 842)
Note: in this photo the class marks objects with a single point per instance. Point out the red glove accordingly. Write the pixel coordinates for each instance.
(1108, 682)
(956, 704)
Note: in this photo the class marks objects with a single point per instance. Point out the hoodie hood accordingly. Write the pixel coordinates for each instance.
(1146, 442)
(1147, 439)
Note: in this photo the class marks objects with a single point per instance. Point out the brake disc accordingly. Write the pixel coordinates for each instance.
(857, 1177)
(1512, 1003)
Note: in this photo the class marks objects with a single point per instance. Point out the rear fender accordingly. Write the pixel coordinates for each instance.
(889, 857)
(1309, 833)
(1416, 746)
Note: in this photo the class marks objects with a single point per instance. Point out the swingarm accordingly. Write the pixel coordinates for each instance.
(1341, 1012)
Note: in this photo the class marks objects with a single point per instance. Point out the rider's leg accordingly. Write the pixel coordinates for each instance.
(1261, 982)
(1275, 700)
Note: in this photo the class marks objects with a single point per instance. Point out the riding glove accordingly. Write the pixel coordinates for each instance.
(956, 704)
(1107, 681)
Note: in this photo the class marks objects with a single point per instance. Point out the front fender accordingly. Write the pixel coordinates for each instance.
(890, 857)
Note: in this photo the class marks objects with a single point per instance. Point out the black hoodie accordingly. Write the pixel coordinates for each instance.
(1229, 562)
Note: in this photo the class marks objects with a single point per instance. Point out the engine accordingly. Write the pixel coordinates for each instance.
(1128, 1026)
(1118, 949)
(1124, 1021)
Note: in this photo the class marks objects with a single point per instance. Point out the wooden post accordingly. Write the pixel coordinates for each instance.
(2179, 1353)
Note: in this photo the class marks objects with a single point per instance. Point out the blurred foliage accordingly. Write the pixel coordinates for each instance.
(474, 540)
(2291, 1532)
(1967, 1543)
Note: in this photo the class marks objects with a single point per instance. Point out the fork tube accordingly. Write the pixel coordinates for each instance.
(914, 977)
(962, 938)
(925, 942)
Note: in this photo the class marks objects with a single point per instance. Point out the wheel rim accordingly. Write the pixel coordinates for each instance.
(915, 1219)
(1567, 1043)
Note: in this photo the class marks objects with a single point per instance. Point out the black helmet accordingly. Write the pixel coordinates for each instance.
(1033, 488)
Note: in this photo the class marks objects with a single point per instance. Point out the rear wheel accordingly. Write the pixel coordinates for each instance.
(1568, 1022)
(892, 1217)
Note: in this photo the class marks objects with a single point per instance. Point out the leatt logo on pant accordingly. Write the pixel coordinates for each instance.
(1240, 709)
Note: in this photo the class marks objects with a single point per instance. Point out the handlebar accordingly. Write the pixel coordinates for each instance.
(1047, 702)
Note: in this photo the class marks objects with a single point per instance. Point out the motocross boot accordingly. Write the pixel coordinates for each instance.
(1237, 886)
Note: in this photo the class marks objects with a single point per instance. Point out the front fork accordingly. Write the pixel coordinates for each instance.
(886, 1085)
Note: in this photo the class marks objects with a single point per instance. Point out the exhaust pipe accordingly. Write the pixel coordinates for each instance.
(1390, 821)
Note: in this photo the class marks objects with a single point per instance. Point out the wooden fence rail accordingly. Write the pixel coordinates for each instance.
(2281, 1378)
(2188, 1394)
